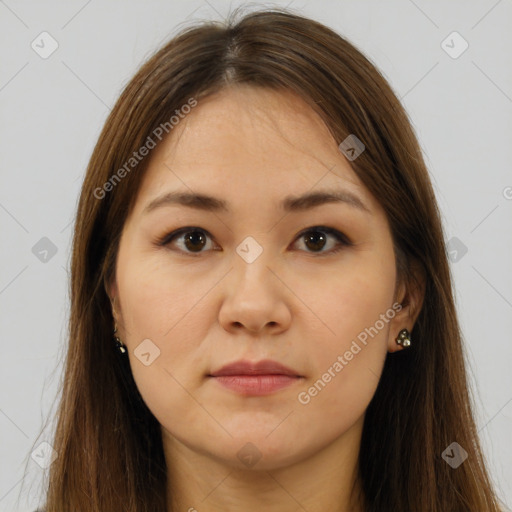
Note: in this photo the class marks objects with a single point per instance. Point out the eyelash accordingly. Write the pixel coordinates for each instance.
(343, 240)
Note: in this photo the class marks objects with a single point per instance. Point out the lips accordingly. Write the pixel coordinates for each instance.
(264, 367)
(255, 379)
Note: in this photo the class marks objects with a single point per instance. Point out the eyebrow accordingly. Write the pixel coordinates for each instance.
(289, 204)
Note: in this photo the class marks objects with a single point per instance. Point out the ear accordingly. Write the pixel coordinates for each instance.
(112, 293)
(410, 295)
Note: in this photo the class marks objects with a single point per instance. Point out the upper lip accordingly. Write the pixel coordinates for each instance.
(264, 367)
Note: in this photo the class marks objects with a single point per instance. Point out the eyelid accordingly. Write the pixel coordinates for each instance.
(342, 239)
(168, 237)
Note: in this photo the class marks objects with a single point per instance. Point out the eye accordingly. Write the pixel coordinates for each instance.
(315, 238)
(194, 239)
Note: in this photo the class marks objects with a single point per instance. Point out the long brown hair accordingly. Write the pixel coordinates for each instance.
(110, 455)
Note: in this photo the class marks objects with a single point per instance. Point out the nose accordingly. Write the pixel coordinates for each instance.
(255, 298)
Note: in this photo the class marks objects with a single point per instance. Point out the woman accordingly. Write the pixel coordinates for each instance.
(262, 313)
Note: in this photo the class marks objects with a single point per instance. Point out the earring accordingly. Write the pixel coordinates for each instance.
(119, 344)
(404, 338)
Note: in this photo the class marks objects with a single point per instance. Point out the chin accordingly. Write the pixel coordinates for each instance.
(255, 451)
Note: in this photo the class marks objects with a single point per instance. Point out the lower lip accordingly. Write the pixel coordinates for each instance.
(256, 384)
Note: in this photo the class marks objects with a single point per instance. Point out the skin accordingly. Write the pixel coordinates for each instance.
(295, 303)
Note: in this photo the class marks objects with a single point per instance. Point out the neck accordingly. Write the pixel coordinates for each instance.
(326, 480)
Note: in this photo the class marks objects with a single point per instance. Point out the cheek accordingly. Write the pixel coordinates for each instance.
(174, 319)
(159, 300)
(347, 358)
(164, 305)
(350, 304)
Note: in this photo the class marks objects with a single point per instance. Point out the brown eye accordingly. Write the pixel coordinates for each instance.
(315, 239)
(192, 240)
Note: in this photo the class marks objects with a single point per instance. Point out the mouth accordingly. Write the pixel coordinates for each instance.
(255, 379)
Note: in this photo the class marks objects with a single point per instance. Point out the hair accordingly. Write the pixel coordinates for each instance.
(109, 444)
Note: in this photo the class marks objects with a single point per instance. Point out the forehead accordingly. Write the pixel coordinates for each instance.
(251, 143)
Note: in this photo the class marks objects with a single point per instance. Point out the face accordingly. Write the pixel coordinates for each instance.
(255, 275)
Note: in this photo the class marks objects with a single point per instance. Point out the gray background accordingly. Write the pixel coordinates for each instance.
(52, 113)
